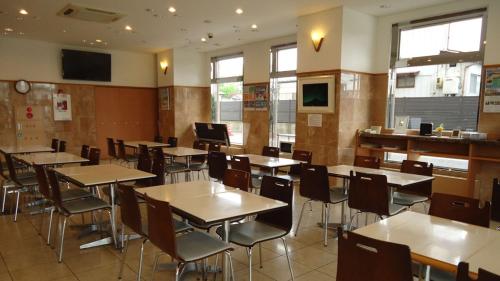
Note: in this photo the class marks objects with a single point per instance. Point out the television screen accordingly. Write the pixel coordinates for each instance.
(90, 66)
(315, 94)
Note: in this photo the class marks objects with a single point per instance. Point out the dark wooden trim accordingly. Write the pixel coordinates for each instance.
(319, 72)
(452, 15)
(256, 84)
(82, 84)
(491, 65)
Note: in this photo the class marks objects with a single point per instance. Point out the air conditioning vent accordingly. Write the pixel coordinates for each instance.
(89, 14)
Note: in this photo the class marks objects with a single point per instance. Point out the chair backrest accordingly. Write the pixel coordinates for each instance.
(217, 164)
(55, 190)
(199, 158)
(482, 275)
(213, 146)
(495, 201)
(367, 162)
(145, 164)
(129, 208)
(172, 141)
(54, 144)
(314, 183)
(271, 151)
(158, 154)
(161, 226)
(237, 179)
(10, 166)
(94, 156)
(159, 171)
(2, 171)
(418, 168)
(362, 258)
(143, 149)
(121, 149)
(459, 208)
(282, 190)
(158, 139)
(111, 148)
(300, 155)
(62, 146)
(84, 153)
(241, 163)
(369, 193)
(43, 184)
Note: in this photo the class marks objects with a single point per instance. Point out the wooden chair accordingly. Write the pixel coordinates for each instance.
(158, 139)
(295, 170)
(417, 193)
(54, 144)
(62, 146)
(198, 162)
(159, 170)
(122, 153)
(242, 163)
(483, 275)
(217, 165)
(495, 202)
(237, 179)
(271, 151)
(367, 162)
(362, 258)
(214, 146)
(460, 208)
(111, 149)
(94, 156)
(172, 141)
(84, 153)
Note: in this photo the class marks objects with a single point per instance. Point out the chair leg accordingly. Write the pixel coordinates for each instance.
(155, 265)
(113, 227)
(325, 224)
(50, 225)
(178, 271)
(249, 252)
(4, 189)
(124, 255)
(260, 256)
(231, 265)
(122, 236)
(287, 257)
(17, 205)
(41, 218)
(352, 219)
(61, 245)
(300, 217)
(141, 260)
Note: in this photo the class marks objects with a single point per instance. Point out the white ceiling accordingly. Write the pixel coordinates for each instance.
(158, 29)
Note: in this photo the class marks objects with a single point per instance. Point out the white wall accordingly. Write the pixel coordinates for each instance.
(358, 41)
(41, 61)
(190, 68)
(384, 30)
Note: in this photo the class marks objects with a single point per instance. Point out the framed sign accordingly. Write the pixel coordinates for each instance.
(316, 94)
(62, 106)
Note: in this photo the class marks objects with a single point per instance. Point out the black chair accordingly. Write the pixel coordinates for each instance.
(242, 163)
(295, 170)
(111, 149)
(84, 153)
(122, 153)
(172, 141)
(62, 146)
(367, 162)
(459, 208)
(416, 193)
(495, 202)
(217, 164)
(198, 162)
(158, 139)
(94, 156)
(362, 258)
(271, 151)
(482, 275)
(54, 144)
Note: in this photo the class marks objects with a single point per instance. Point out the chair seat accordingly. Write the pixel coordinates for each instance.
(289, 177)
(406, 199)
(196, 245)
(337, 195)
(27, 174)
(8, 184)
(131, 158)
(173, 168)
(395, 209)
(250, 233)
(84, 205)
(256, 182)
(198, 166)
(179, 227)
(31, 181)
(74, 193)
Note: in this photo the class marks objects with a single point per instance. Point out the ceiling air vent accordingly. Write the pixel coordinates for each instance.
(89, 14)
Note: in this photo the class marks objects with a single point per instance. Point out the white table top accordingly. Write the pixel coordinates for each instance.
(101, 174)
(211, 201)
(394, 178)
(183, 151)
(269, 162)
(440, 242)
(25, 149)
(150, 144)
(48, 158)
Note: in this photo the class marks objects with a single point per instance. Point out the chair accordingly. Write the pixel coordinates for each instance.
(217, 165)
(111, 149)
(268, 226)
(463, 209)
(143, 149)
(295, 170)
(159, 170)
(54, 144)
(369, 193)
(237, 179)
(362, 258)
(314, 185)
(367, 162)
(213, 146)
(172, 141)
(271, 151)
(242, 163)
(417, 193)
(483, 275)
(198, 162)
(94, 156)
(145, 164)
(190, 247)
(84, 153)
(62, 146)
(122, 153)
(158, 139)
(495, 201)
(131, 218)
(75, 207)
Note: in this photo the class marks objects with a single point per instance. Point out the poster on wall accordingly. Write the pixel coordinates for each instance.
(62, 106)
(249, 98)
(261, 97)
(164, 98)
(492, 90)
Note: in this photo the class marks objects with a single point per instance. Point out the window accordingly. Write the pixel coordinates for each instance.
(283, 94)
(435, 74)
(227, 94)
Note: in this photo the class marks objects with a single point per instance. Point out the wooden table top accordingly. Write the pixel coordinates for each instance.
(25, 149)
(101, 174)
(150, 144)
(211, 201)
(440, 242)
(269, 162)
(48, 158)
(394, 178)
(183, 151)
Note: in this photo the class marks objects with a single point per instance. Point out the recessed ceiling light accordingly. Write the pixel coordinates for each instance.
(384, 6)
(84, 41)
(239, 11)
(254, 26)
(19, 18)
(91, 43)
(203, 39)
(98, 40)
(8, 29)
(128, 27)
(21, 33)
(64, 31)
(172, 9)
(23, 12)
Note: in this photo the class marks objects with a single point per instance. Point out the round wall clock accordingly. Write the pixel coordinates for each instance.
(23, 86)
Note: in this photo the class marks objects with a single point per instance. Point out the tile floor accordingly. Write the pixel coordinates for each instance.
(24, 256)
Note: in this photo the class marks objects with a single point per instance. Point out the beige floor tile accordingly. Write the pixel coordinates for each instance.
(312, 257)
(240, 255)
(105, 273)
(242, 275)
(276, 245)
(315, 276)
(5, 277)
(277, 269)
(22, 259)
(90, 260)
(330, 269)
(42, 272)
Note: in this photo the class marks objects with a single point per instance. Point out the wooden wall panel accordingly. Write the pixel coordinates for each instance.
(125, 113)
(192, 104)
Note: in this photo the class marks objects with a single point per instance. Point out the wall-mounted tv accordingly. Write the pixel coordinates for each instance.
(89, 66)
(316, 94)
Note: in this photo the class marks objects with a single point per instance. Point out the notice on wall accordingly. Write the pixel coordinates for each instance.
(249, 98)
(314, 120)
(62, 106)
(255, 97)
(492, 90)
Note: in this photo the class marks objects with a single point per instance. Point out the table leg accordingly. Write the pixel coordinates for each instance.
(225, 268)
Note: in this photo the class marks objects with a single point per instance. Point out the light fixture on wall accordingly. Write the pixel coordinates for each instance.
(164, 66)
(317, 39)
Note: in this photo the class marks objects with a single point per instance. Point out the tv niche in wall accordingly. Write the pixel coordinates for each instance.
(316, 94)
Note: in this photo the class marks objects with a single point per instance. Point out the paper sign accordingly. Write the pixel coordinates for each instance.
(314, 120)
(62, 107)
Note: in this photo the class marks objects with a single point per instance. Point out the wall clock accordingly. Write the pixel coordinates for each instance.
(22, 86)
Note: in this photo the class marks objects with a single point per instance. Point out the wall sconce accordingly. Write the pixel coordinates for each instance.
(317, 39)
(164, 67)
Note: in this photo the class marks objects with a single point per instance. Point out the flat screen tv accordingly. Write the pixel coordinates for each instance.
(89, 66)
(315, 94)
